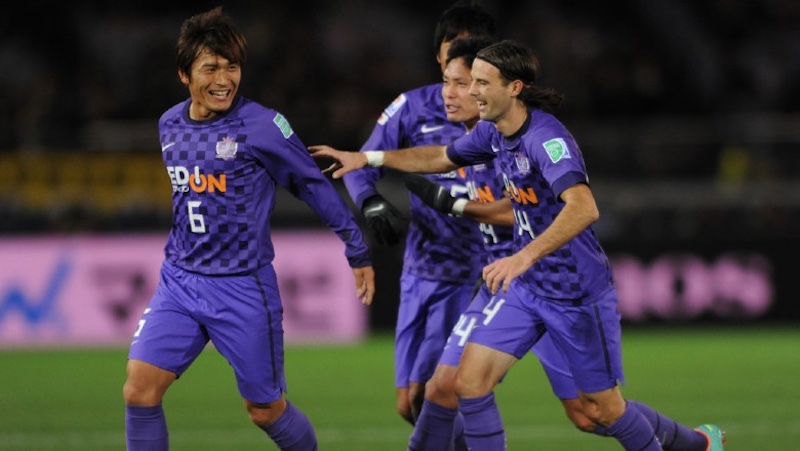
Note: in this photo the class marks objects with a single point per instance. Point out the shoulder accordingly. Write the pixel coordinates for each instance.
(271, 120)
(549, 135)
(174, 113)
(543, 123)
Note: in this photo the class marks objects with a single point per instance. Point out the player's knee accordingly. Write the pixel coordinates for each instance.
(140, 395)
(262, 415)
(582, 423)
(440, 390)
(575, 412)
(469, 388)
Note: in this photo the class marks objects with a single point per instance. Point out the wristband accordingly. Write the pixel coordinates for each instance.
(374, 158)
(458, 207)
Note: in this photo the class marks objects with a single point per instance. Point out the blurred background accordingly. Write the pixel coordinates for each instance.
(688, 115)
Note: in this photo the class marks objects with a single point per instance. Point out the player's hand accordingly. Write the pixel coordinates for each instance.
(365, 284)
(499, 274)
(343, 163)
(384, 220)
(431, 193)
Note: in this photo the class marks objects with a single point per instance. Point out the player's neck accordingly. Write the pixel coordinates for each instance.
(513, 120)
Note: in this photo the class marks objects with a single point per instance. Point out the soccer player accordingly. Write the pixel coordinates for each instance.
(225, 156)
(558, 280)
(442, 253)
(439, 424)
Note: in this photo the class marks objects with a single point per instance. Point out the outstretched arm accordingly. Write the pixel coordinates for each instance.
(425, 159)
(436, 196)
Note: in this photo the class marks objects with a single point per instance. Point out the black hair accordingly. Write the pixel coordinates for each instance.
(465, 17)
(468, 48)
(518, 62)
(211, 30)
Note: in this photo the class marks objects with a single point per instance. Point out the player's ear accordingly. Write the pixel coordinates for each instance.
(183, 77)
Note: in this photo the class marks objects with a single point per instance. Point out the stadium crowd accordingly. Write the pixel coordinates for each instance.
(657, 90)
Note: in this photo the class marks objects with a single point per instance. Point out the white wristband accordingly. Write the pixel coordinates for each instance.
(374, 158)
(458, 207)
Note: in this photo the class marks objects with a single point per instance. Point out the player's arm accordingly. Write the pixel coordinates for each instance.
(424, 159)
(436, 196)
(579, 212)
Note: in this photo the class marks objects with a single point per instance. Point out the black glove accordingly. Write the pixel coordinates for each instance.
(384, 220)
(431, 193)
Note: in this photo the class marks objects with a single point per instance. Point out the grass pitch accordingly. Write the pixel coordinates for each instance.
(745, 379)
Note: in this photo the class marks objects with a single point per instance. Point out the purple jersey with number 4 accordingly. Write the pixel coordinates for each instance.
(569, 294)
(537, 164)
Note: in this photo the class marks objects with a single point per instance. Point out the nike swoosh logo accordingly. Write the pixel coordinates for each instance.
(495, 149)
(427, 129)
(167, 146)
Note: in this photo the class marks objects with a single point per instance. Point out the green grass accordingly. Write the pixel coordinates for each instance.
(744, 379)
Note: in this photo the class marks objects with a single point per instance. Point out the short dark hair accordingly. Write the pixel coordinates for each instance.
(518, 62)
(213, 30)
(468, 48)
(463, 17)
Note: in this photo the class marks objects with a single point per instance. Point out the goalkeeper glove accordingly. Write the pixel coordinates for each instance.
(384, 220)
(434, 195)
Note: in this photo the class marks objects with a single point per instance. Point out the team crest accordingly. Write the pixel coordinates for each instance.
(226, 149)
(556, 149)
(523, 164)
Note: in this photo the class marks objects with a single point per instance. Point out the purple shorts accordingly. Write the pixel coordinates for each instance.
(553, 363)
(588, 336)
(428, 311)
(241, 315)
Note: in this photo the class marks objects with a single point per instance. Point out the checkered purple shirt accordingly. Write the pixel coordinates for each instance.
(225, 173)
(538, 163)
(439, 246)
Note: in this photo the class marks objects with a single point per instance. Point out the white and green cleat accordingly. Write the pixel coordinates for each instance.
(715, 436)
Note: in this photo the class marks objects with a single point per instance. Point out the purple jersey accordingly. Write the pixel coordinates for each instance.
(537, 164)
(225, 174)
(438, 246)
(485, 185)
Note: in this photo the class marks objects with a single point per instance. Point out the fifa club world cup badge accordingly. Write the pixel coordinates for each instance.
(523, 164)
(226, 149)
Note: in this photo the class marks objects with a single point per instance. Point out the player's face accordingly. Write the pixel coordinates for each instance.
(459, 105)
(491, 91)
(213, 84)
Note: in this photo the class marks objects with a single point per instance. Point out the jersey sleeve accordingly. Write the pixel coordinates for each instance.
(287, 160)
(558, 157)
(385, 135)
(475, 147)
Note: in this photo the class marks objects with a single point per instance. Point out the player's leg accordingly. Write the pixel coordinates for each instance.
(145, 423)
(506, 333)
(442, 307)
(440, 425)
(479, 372)
(675, 436)
(672, 435)
(589, 338)
(164, 345)
(434, 429)
(249, 334)
(409, 334)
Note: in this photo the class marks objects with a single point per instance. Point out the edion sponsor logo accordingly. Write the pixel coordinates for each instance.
(183, 180)
(686, 286)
